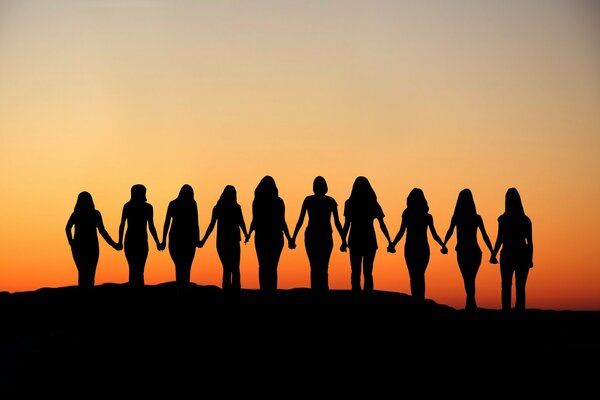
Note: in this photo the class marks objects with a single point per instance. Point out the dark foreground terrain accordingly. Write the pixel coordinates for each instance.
(114, 341)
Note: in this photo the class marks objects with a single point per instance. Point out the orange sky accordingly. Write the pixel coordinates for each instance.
(100, 95)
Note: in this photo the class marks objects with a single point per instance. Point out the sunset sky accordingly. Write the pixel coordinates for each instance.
(99, 95)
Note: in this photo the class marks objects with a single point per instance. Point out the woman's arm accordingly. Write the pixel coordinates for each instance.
(152, 228)
(105, 234)
(435, 235)
(498, 244)
(484, 235)
(345, 230)
(166, 226)
(338, 224)
(400, 233)
(384, 229)
(300, 220)
(450, 231)
(122, 224)
(209, 229)
(69, 229)
(284, 227)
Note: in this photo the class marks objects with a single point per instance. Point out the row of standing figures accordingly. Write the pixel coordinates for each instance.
(358, 236)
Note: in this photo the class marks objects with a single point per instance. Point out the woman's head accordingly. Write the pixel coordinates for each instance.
(266, 188)
(186, 193)
(84, 202)
(138, 193)
(416, 201)
(465, 204)
(362, 190)
(228, 196)
(319, 186)
(512, 202)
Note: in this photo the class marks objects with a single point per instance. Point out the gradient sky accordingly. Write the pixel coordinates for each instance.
(99, 95)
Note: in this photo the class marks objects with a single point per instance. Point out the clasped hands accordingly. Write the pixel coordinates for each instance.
(392, 248)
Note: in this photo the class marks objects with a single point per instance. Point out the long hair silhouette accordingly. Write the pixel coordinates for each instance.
(468, 253)
(228, 217)
(268, 221)
(416, 221)
(138, 217)
(318, 239)
(516, 257)
(360, 211)
(85, 248)
(181, 226)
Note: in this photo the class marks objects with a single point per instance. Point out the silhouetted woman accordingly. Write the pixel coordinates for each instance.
(87, 222)
(318, 239)
(138, 215)
(516, 256)
(416, 222)
(228, 217)
(468, 253)
(181, 224)
(360, 211)
(268, 221)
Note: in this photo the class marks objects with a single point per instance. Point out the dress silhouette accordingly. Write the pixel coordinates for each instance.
(138, 217)
(468, 253)
(416, 222)
(87, 223)
(228, 217)
(181, 226)
(516, 257)
(361, 209)
(268, 221)
(318, 239)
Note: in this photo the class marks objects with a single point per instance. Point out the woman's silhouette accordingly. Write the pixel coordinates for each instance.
(227, 215)
(268, 221)
(181, 225)
(516, 258)
(468, 253)
(416, 221)
(360, 211)
(85, 248)
(138, 215)
(318, 239)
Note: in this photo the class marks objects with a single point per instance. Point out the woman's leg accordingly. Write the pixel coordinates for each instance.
(506, 277)
(356, 258)
(368, 261)
(520, 282)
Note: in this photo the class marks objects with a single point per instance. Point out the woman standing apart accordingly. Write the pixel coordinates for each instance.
(227, 216)
(468, 253)
(181, 225)
(138, 217)
(360, 211)
(268, 221)
(516, 257)
(85, 248)
(416, 222)
(318, 239)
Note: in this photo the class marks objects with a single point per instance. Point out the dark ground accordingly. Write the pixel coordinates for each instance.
(56, 341)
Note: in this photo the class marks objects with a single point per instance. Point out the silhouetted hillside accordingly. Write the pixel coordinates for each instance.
(60, 341)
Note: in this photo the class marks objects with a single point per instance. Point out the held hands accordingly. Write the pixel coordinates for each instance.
(344, 246)
(161, 246)
(200, 244)
(444, 249)
(291, 244)
(391, 247)
(247, 238)
(493, 259)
